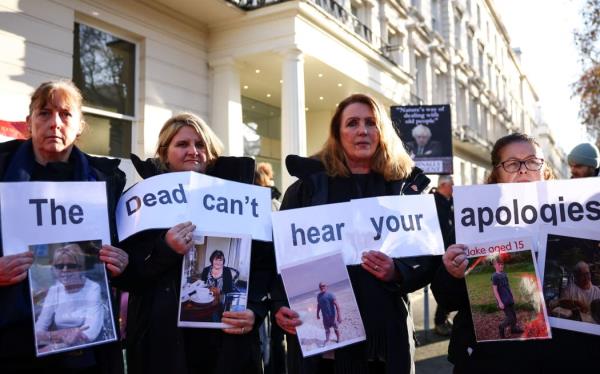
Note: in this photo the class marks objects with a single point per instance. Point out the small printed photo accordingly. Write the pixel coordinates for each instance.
(319, 290)
(505, 294)
(70, 297)
(214, 279)
(572, 281)
(426, 132)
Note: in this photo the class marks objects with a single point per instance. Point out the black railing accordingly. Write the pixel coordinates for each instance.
(254, 4)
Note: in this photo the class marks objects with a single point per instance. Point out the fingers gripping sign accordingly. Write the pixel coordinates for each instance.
(380, 265)
(181, 237)
(455, 260)
(13, 268)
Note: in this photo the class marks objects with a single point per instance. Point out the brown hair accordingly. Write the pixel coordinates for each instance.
(390, 158)
(47, 91)
(509, 139)
(214, 147)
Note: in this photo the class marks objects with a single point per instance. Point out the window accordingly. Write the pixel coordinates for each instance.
(457, 32)
(480, 56)
(396, 45)
(470, 48)
(436, 19)
(104, 71)
(421, 77)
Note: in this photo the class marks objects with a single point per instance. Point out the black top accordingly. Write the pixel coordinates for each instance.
(383, 306)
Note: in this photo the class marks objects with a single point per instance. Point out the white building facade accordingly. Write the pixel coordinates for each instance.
(267, 75)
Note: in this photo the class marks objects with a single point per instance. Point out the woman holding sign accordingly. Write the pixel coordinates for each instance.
(516, 158)
(155, 344)
(55, 122)
(363, 157)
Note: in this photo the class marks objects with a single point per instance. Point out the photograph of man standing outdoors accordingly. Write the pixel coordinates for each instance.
(327, 304)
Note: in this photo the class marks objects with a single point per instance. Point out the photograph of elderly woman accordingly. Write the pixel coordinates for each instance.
(506, 297)
(69, 293)
(572, 282)
(214, 279)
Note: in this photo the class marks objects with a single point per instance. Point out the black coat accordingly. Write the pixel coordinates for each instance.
(384, 306)
(17, 340)
(154, 342)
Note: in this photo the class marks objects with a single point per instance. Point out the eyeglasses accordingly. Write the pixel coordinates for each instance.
(71, 266)
(513, 166)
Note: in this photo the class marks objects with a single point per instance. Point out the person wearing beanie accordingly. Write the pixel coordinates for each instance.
(584, 160)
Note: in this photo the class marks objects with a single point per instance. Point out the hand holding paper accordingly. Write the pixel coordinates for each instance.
(241, 322)
(455, 260)
(379, 265)
(13, 268)
(115, 258)
(180, 237)
(288, 320)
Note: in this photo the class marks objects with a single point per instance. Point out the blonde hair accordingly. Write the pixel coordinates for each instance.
(214, 147)
(390, 158)
(71, 250)
(47, 91)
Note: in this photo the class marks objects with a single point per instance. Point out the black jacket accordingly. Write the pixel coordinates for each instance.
(16, 338)
(384, 306)
(154, 342)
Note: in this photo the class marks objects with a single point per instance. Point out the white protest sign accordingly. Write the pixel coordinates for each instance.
(301, 234)
(52, 212)
(157, 202)
(218, 204)
(399, 226)
(212, 204)
(489, 212)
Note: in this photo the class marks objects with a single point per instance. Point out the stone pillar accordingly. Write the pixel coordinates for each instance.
(293, 118)
(226, 109)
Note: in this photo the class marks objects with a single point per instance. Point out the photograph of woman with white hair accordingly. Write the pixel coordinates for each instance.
(73, 311)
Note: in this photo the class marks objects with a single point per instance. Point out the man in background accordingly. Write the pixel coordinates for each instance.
(584, 160)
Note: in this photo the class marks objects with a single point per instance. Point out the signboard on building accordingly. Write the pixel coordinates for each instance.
(426, 132)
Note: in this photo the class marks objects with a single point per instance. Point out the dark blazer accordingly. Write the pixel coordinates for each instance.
(154, 342)
(384, 306)
(432, 149)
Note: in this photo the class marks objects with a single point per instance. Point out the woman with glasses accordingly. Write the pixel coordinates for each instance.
(516, 158)
(72, 312)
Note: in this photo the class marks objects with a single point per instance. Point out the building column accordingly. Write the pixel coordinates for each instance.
(293, 118)
(226, 109)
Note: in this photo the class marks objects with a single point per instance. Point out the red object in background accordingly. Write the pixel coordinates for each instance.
(14, 130)
(505, 257)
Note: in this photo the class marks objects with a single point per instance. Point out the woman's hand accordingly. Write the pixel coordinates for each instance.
(380, 265)
(455, 260)
(288, 320)
(13, 268)
(241, 322)
(116, 259)
(180, 237)
(72, 335)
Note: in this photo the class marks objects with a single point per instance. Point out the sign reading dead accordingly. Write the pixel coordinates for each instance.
(212, 204)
